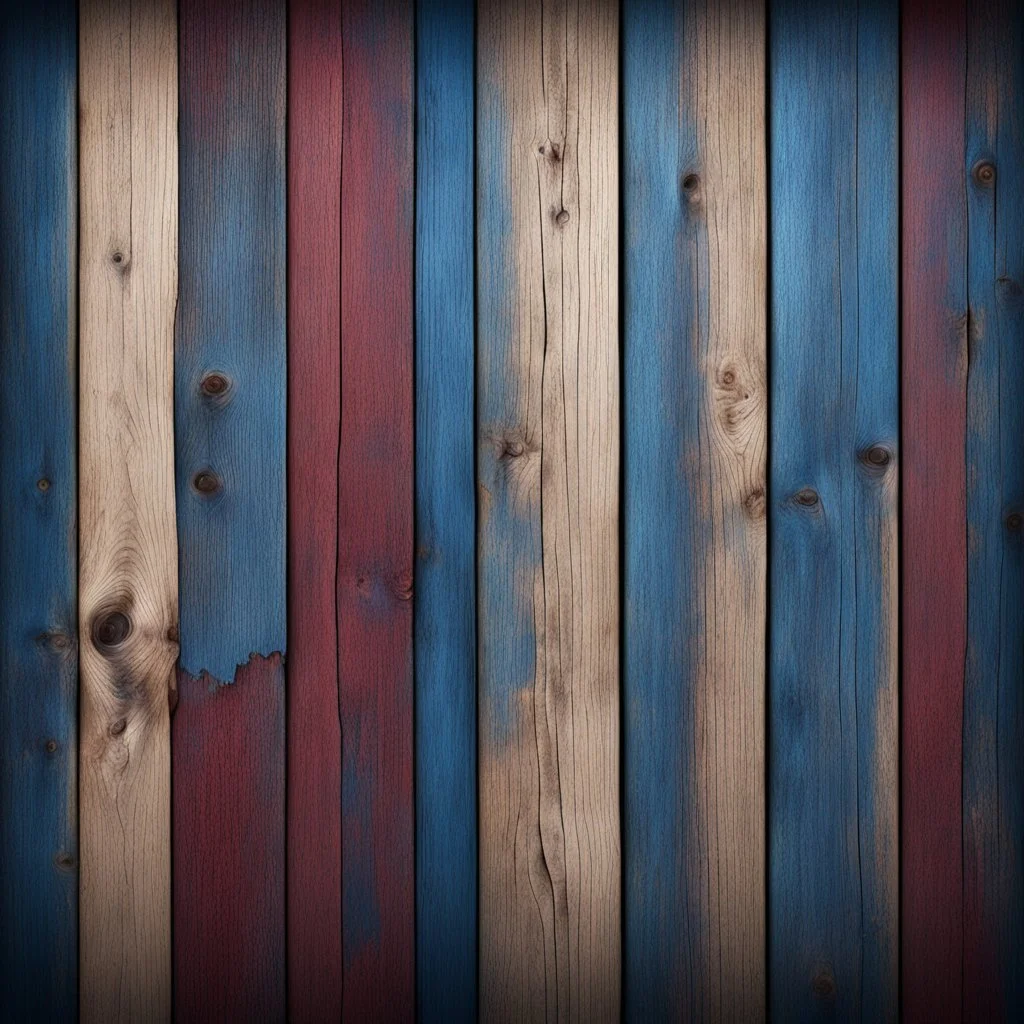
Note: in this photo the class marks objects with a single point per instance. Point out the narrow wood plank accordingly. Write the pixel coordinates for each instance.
(833, 758)
(38, 504)
(548, 465)
(445, 609)
(695, 561)
(375, 511)
(934, 512)
(314, 411)
(230, 390)
(128, 572)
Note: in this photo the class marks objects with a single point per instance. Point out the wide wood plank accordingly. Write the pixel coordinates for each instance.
(833, 758)
(445, 608)
(314, 411)
(128, 572)
(375, 511)
(38, 504)
(230, 391)
(548, 472)
(695, 562)
(934, 511)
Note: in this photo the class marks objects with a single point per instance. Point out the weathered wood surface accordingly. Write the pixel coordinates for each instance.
(445, 607)
(38, 507)
(315, 965)
(128, 572)
(833, 758)
(695, 210)
(548, 477)
(375, 511)
(230, 391)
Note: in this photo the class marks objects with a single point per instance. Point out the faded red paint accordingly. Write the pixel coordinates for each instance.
(228, 846)
(375, 515)
(934, 577)
(314, 405)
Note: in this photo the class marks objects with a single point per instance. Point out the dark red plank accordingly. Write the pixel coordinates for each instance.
(934, 574)
(314, 403)
(375, 515)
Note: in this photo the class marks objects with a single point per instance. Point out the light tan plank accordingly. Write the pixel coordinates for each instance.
(127, 543)
(549, 474)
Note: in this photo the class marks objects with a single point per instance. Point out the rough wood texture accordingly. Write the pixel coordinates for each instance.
(548, 465)
(445, 609)
(375, 512)
(934, 521)
(128, 572)
(38, 503)
(230, 348)
(833, 758)
(314, 404)
(695, 569)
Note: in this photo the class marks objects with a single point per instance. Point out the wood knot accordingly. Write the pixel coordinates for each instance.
(215, 385)
(754, 503)
(511, 449)
(824, 984)
(402, 586)
(691, 183)
(43, 484)
(985, 173)
(206, 482)
(807, 498)
(64, 861)
(1008, 287)
(1014, 521)
(562, 218)
(50, 746)
(550, 150)
(118, 727)
(55, 640)
(172, 634)
(876, 458)
(111, 630)
(119, 260)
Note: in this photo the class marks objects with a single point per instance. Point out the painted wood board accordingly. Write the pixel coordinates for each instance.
(128, 571)
(833, 486)
(548, 479)
(38, 512)
(230, 393)
(445, 607)
(315, 959)
(695, 394)
(375, 511)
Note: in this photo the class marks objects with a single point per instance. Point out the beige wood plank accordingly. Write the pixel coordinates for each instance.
(127, 541)
(549, 473)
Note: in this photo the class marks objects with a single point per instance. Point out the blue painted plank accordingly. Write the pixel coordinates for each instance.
(38, 550)
(993, 728)
(445, 607)
(833, 487)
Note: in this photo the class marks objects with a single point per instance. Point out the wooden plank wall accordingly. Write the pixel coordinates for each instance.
(695, 391)
(128, 571)
(38, 510)
(548, 472)
(963, 501)
(230, 381)
(833, 778)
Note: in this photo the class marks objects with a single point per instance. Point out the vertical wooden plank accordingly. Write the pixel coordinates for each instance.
(38, 502)
(993, 731)
(445, 608)
(375, 512)
(934, 535)
(548, 465)
(695, 562)
(128, 572)
(314, 422)
(229, 730)
(833, 781)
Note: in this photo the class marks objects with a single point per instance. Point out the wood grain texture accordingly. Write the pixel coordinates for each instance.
(128, 571)
(548, 472)
(230, 352)
(833, 777)
(38, 505)
(934, 510)
(375, 511)
(993, 731)
(695, 561)
(315, 962)
(445, 609)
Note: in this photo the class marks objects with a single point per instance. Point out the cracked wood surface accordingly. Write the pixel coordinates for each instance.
(128, 583)
(548, 477)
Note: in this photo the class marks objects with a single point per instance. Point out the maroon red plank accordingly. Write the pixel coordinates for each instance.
(314, 402)
(934, 572)
(375, 513)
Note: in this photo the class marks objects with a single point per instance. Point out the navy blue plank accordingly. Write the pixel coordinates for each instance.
(445, 609)
(833, 499)
(38, 608)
